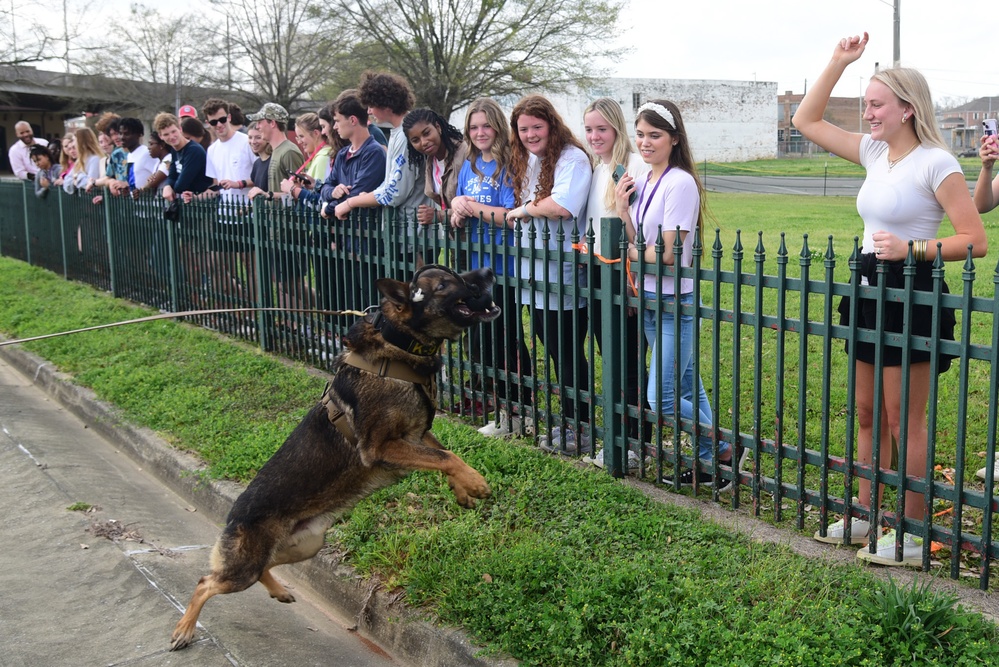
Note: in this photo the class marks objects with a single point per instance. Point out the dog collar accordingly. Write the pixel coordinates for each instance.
(403, 340)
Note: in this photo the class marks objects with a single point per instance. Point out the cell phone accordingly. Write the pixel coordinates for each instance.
(991, 127)
(619, 171)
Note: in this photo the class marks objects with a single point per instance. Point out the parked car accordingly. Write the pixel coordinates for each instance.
(970, 151)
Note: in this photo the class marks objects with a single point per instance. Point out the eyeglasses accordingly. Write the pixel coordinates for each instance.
(217, 121)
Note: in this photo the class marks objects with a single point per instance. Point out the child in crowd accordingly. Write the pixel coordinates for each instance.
(551, 178)
(669, 196)
(483, 197)
(607, 136)
(437, 148)
(48, 173)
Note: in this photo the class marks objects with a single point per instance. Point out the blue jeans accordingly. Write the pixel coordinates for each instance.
(662, 373)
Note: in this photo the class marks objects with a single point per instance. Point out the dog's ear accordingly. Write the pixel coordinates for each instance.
(393, 290)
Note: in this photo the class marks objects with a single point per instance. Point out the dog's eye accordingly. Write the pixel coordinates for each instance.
(441, 286)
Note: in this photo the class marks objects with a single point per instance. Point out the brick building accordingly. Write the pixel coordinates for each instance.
(844, 112)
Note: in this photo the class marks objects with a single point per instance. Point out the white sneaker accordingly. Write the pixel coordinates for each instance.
(505, 426)
(859, 529)
(995, 473)
(912, 551)
(598, 459)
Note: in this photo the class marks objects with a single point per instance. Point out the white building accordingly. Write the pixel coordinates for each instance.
(727, 121)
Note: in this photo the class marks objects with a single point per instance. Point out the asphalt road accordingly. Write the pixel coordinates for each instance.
(106, 587)
(790, 185)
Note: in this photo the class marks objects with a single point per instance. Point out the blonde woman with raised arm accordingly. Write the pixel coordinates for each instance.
(912, 182)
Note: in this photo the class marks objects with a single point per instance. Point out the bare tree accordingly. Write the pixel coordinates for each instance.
(453, 51)
(23, 40)
(149, 60)
(146, 46)
(276, 50)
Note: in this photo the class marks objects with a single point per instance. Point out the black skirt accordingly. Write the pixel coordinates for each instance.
(922, 315)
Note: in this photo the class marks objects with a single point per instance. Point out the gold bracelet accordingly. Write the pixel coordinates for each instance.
(919, 249)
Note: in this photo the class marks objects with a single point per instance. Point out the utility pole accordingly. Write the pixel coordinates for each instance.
(897, 48)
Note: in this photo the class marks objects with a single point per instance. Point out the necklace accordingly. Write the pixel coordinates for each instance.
(892, 163)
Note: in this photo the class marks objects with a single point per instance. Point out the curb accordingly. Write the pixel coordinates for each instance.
(403, 632)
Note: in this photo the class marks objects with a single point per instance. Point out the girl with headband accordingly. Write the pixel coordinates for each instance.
(670, 201)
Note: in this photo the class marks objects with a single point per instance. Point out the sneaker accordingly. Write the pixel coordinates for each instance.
(704, 478)
(559, 441)
(859, 530)
(995, 473)
(598, 460)
(912, 551)
(506, 426)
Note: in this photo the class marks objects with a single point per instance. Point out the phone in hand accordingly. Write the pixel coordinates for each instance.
(990, 127)
(619, 171)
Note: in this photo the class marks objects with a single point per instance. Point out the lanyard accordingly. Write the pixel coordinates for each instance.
(307, 162)
(652, 195)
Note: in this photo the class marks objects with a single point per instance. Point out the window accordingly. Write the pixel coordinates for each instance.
(636, 101)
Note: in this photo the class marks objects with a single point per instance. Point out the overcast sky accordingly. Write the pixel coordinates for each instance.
(951, 42)
(786, 41)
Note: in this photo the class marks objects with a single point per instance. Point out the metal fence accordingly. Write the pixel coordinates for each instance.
(767, 344)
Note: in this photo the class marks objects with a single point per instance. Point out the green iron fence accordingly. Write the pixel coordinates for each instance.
(767, 345)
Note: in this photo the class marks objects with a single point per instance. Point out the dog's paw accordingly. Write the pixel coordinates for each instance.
(285, 597)
(181, 639)
(468, 487)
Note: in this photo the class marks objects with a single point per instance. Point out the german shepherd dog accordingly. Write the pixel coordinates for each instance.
(370, 429)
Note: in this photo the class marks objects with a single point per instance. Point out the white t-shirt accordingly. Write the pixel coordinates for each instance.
(595, 208)
(231, 160)
(143, 165)
(570, 191)
(662, 205)
(902, 201)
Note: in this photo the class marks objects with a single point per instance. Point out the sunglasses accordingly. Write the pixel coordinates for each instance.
(217, 121)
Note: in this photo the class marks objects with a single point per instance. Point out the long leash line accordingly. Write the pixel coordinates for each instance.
(186, 313)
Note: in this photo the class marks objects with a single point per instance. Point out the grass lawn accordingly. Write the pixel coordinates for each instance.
(561, 566)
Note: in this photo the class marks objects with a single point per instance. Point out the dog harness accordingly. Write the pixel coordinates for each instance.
(396, 370)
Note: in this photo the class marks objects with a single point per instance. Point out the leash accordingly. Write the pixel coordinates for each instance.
(187, 313)
(583, 249)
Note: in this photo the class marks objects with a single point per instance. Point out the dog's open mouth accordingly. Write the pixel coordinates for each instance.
(478, 311)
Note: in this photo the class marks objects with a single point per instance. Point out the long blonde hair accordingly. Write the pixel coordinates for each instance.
(910, 86)
(86, 146)
(622, 150)
(496, 120)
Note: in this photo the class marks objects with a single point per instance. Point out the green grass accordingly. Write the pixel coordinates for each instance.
(561, 566)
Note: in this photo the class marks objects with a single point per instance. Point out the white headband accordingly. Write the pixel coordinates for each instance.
(660, 110)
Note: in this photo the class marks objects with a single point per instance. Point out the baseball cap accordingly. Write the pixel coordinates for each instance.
(270, 111)
(187, 111)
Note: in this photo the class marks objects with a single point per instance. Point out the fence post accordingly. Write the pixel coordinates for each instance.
(27, 226)
(609, 294)
(62, 233)
(110, 243)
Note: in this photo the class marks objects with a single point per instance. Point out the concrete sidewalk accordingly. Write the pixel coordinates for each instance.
(106, 587)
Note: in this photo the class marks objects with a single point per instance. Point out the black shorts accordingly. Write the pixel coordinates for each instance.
(922, 315)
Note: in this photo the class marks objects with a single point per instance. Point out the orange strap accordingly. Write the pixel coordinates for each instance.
(583, 249)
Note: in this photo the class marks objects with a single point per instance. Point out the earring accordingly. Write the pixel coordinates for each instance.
(903, 118)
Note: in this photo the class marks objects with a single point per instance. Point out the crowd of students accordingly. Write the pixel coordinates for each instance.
(490, 181)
